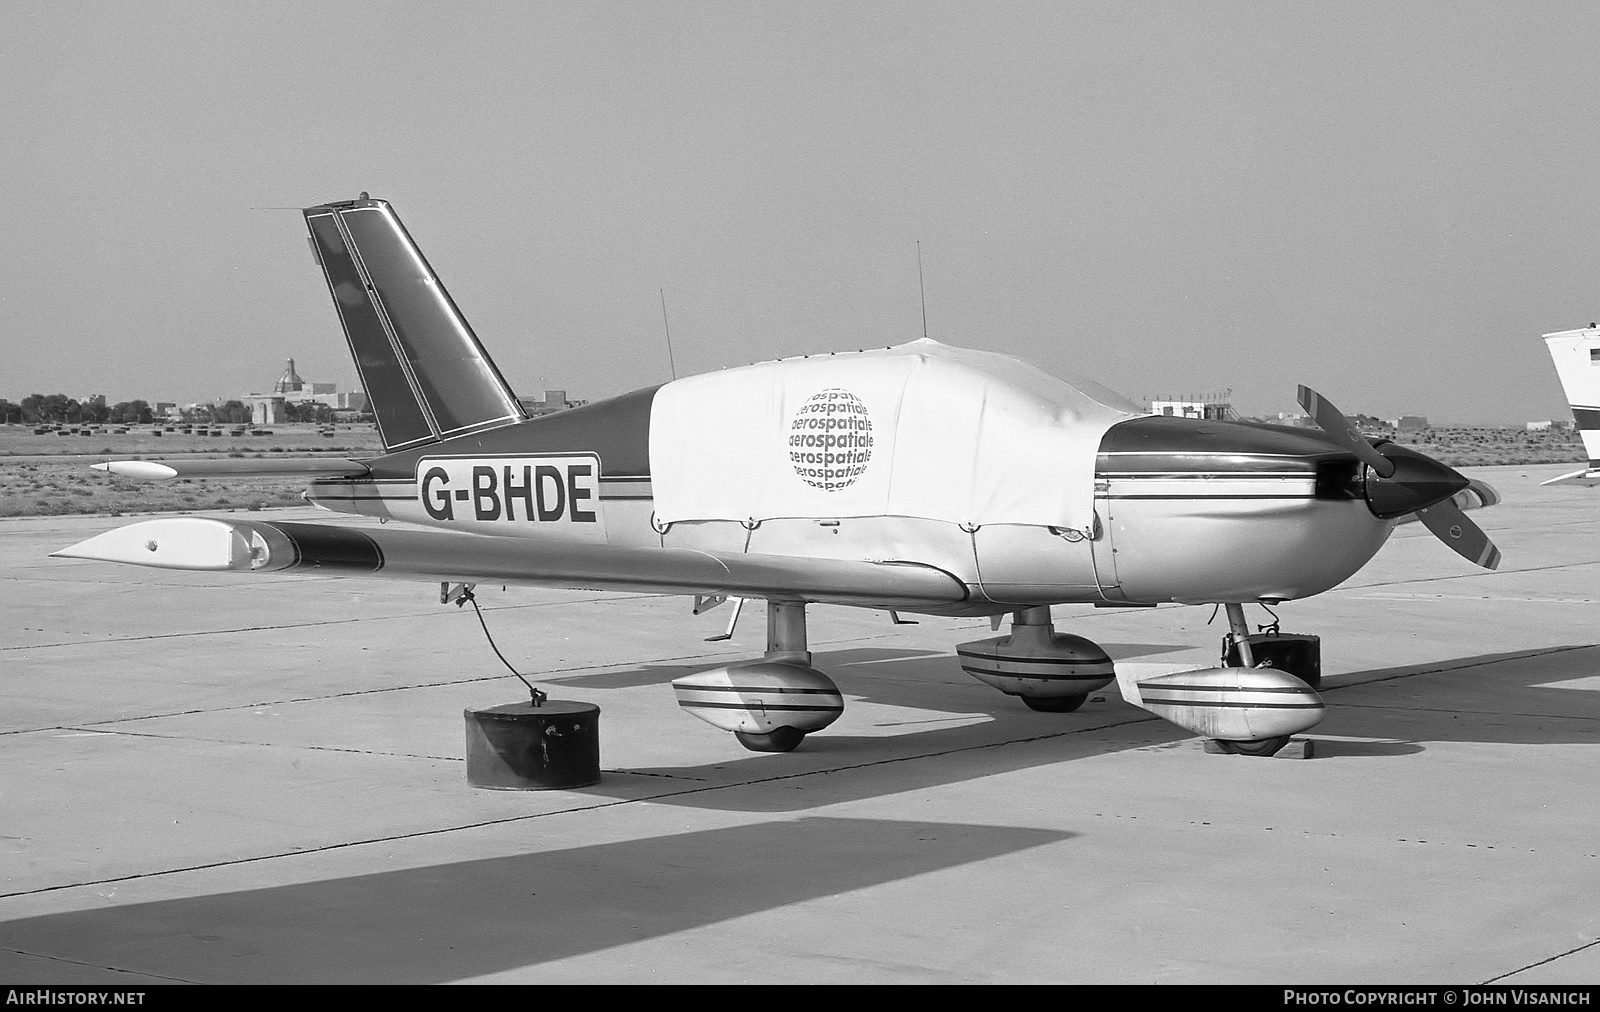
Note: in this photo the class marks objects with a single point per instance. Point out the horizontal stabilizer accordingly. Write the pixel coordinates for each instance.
(1589, 477)
(254, 546)
(234, 467)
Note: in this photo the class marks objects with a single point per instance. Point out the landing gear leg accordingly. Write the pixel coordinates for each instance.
(1239, 643)
(786, 632)
(1241, 633)
(786, 641)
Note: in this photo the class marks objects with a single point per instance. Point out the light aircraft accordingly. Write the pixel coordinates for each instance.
(918, 478)
(1576, 354)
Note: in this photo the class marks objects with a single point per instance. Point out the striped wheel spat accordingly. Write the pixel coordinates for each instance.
(757, 697)
(1234, 704)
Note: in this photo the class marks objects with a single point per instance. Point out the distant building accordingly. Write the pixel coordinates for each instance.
(1214, 405)
(271, 408)
(1298, 419)
(554, 400)
(1411, 423)
(1550, 425)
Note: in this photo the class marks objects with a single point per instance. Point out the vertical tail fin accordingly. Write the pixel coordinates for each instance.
(1576, 354)
(425, 373)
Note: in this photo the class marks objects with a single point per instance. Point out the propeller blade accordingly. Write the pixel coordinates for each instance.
(1464, 537)
(1335, 424)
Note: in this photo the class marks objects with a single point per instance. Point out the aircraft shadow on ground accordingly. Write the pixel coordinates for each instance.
(1500, 698)
(453, 921)
(1490, 698)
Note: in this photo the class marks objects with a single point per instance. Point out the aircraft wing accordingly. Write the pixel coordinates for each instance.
(256, 546)
(235, 467)
(1589, 477)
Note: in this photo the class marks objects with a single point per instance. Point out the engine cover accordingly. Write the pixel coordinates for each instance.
(761, 696)
(1233, 704)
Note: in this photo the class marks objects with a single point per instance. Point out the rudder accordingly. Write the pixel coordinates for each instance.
(424, 371)
(1576, 354)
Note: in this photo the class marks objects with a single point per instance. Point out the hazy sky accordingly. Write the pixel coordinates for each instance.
(1390, 202)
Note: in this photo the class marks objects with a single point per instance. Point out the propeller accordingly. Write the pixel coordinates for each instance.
(1400, 481)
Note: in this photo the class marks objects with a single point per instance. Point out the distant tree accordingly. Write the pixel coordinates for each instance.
(10, 412)
(127, 412)
(50, 408)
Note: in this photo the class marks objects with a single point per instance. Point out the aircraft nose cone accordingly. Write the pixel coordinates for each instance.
(1418, 482)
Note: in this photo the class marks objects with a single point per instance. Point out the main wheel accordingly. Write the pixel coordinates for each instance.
(1266, 746)
(779, 739)
(1054, 704)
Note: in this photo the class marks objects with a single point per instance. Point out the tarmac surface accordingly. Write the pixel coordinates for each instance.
(233, 779)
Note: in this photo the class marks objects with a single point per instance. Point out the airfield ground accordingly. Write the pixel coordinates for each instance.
(232, 779)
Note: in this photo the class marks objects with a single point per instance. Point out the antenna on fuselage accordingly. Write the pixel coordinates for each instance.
(921, 292)
(668, 328)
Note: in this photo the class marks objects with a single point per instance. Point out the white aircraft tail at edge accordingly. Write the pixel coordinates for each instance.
(1576, 354)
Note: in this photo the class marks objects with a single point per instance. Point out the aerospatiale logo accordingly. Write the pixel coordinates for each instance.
(830, 440)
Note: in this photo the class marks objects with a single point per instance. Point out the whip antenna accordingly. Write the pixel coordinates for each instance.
(921, 292)
(665, 326)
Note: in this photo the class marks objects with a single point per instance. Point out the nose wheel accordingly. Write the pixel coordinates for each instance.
(1264, 747)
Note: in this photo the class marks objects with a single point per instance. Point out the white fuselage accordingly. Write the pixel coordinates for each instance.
(1196, 535)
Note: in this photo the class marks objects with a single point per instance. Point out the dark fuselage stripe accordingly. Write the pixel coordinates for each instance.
(1196, 497)
(1231, 706)
(974, 655)
(1175, 687)
(813, 708)
(1043, 676)
(760, 688)
(364, 498)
